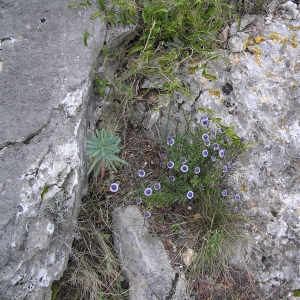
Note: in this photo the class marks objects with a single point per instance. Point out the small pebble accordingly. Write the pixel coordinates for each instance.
(189, 208)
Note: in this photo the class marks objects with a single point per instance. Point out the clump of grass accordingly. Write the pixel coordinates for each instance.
(93, 270)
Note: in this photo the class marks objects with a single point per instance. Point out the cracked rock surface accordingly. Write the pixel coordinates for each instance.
(46, 83)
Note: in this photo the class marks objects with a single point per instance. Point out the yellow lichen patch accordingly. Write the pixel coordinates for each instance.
(275, 37)
(248, 42)
(284, 41)
(257, 55)
(293, 84)
(256, 91)
(282, 121)
(245, 54)
(291, 27)
(294, 42)
(277, 60)
(243, 187)
(259, 39)
(270, 74)
(263, 99)
(215, 93)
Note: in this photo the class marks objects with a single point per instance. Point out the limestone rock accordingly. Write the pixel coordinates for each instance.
(237, 43)
(291, 9)
(146, 265)
(46, 84)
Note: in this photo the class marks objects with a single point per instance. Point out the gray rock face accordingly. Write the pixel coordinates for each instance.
(146, 264)
(46, 83)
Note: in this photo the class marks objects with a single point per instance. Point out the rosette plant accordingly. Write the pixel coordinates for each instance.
(102, 150)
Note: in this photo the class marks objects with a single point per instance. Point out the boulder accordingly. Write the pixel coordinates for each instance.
(147, 267)
(46, 83)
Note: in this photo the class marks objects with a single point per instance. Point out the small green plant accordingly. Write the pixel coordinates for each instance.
(101, 150)
(297, 293)
(176, 228)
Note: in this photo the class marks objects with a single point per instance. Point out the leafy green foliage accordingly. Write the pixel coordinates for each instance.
(101, 150)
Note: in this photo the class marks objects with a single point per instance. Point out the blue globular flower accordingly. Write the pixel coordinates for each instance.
(170, 165)
(196, 128)
(162, 164)
(138, 201)
(216, 146)
(235, 210)
(157, 186)
(225, 138)
(163, 156)
(242, 139)
(177, 119)
(172, 178)
(204, 117)
(170, 141)
(228, 203)
(148, 192)
(207, 143)
(185, 140)
(113, 187)
(213, 133)
(212, 185)
(147, 214)
(205, 137)
(190, 195)
(172, 134)
(184, 168)
(179, 146)
(197, 170)
(213, 158)
(142, 173)
(202, 187)
(237, 197)
(221, 153)
(156, 160)
(221, 130)
(204, 153)
(229, 164)
(224, 169)
(224, 193)
(204, 122)
(183, 160)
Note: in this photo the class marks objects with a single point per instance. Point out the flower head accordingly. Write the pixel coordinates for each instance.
(235, 210)
(157, 186)
(147, 214)
(204, 153)
(170, 141)
(142, 173)
(179, 146)
(213, 158)
(148, 192)
(224, 169)
(213, 133)
(172, 178)
(216, 146)
(172, 134)
(197, 170)
(205, 137)
(196, 128)
(229, 164)
(163, 156)
(221, 153)
(183, 160)
(190, 195)
(204, 117)
(224, 193)
(177, 119)
(207, 143)
(221, 130)
(170, 165)
(228, 203)
(184, 168)
(242, 139)
(204, 122)
(138, 201)
(114, 187)
(162, 164)
(237, 197)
